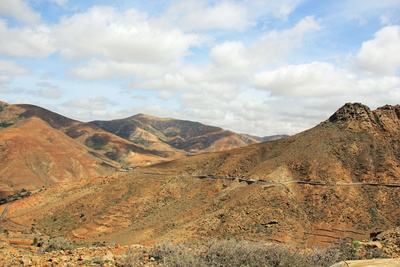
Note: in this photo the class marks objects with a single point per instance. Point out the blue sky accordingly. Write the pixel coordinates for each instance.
(260, 67)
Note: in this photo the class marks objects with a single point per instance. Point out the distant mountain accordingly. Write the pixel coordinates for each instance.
(268, 138)
(95, 138)
(147, 140)
(172, 134)
(42, 148)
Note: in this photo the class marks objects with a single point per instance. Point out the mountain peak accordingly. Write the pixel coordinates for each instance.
(351, 111)
(358, 117)
(354, 116)
(148, 117)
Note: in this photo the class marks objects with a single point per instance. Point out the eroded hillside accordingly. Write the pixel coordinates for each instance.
(171, 134)
(354, 145)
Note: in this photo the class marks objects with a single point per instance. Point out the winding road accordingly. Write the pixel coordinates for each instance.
(3, 217)
(248, 181)
(273, 182)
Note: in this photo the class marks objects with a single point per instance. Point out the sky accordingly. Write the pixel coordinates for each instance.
(259, 67)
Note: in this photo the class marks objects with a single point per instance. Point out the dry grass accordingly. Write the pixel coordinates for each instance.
(218, 253)
(56, 243)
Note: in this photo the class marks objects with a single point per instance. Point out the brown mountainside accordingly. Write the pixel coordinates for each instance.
(39, 148)
(34, 155)
(103, 142)
(354, 144)
(186, 136)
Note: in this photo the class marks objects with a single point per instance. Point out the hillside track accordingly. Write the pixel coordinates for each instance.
(3, 217)
(248, 181)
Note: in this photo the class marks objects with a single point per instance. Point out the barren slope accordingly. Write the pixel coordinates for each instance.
(355, 144)
(34, 155)
(103, 142)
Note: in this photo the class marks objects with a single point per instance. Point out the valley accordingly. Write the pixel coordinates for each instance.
(336, 181)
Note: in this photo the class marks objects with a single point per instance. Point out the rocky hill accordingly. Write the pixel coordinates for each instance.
(27, 129)
(39, 148)
(354, 145)
(171, 134)
(94, 138)
(35, 155)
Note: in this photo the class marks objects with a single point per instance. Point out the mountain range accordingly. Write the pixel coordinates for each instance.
(169, 134)
(40, 148)
(337, 180)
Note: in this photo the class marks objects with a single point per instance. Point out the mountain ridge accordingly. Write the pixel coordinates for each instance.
(187, 136)
(167, 205)
(110, 150)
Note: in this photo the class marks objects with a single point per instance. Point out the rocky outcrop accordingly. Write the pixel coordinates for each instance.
(358, 117)
(81, 256)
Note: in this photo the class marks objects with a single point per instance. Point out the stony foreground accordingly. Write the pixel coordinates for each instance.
(16, 249)
(91, 256)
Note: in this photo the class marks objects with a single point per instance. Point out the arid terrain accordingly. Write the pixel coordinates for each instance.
(39, 148)
(176, 135)
(345, 174)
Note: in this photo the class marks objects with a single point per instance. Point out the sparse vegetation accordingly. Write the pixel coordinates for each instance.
(356, 244)
(242, 253)
(56, 243)
(16, 196)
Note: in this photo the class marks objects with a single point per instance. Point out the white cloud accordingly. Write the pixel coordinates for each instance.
(265, 8)
(5, 79)
(92, 103)
(203, 16)
(381, 54)
(230, 54)
(11, 67)
(165, 94)
(314, 79)
(123, 45)
(50, 93)
(8, 69)
(30, 42)
(59, 2)
(46, 90)
(275, 45)
(47, 75)
(140, 97)
(19, 10)
(385, 19)
(47, 85)
(121, 37)
(7, 90)
(231, 62)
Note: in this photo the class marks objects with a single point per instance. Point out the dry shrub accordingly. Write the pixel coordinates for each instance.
(218, 253)
(242, 253)
(176, 255)
(54, 244)
(130, 259)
